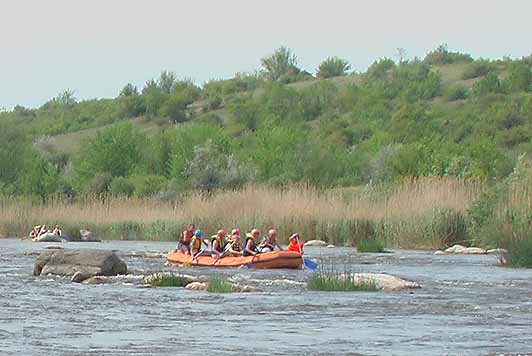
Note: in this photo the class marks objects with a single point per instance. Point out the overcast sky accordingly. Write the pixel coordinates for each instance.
(95, 47)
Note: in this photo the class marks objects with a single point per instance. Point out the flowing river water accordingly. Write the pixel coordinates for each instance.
(467, 306)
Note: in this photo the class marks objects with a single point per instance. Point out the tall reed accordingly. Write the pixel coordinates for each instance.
(395, 214)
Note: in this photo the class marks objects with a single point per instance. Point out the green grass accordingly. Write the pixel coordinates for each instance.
(166, 280)
(519, 254)
(219, 285)
(331, 281)
(375, 246)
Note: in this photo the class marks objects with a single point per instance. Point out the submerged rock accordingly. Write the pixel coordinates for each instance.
(331, 246)
(98, 280)
(439, 252)
(146, 254)
(316, 243)
(54, 247)
(236, 288)
(82, 263)
(385, 282)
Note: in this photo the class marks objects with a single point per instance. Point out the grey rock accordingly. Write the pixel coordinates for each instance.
(81, 264)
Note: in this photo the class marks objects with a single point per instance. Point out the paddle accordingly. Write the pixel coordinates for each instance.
(250, 263)
(224, 253)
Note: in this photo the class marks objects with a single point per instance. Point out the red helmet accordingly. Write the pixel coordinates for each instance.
(221, 233)
(255, 232)
(235, 232)
(272, 232)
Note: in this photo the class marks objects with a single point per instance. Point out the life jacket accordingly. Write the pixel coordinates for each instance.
(295, 246)
(221, 243)
(195, 244)
(246, 240)
(237, 246)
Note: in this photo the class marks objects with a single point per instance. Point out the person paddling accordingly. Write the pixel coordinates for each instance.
(234, 246)
(218, 244)
(197, 242)
(250, 243)
(186, 237)
(295, 245)
(269, 242)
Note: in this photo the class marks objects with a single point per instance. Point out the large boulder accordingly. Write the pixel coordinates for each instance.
(84, 263)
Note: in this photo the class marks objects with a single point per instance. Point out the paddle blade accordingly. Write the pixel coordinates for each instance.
(310, 264)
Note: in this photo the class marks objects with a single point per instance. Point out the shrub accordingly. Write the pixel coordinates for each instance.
(332, 281)
(442, 55)
(121, 186)
(519, 254)
(520, 76)
(217, 284)
(99, 185)
(445, 227)
(166, 280)
(489, 84)
(281, 63)
(146, 186)
(477, 69)
(374, 246)
(456, 92)
(332, 67)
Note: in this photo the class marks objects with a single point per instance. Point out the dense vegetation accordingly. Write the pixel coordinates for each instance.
(444, 115)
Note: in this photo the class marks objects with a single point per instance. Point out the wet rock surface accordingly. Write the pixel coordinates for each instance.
(84, 263)
(385, 282)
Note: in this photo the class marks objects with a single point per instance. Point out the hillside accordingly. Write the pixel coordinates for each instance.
(444, 115)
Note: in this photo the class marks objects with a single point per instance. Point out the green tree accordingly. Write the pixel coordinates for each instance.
(16, 152)
(333, 67)
(115, 150)
(167, 81)
(280, 63)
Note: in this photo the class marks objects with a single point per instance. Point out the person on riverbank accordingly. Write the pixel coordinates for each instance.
(250, 243)
(218, 244)
(197, 242)
(234, 245)
(186, 237)
(269, 242)
(295, 245)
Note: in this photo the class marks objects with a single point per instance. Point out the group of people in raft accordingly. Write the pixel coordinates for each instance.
(221, 245)
(40, 230)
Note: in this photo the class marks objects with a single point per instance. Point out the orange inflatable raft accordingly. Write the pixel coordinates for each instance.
(276, 259)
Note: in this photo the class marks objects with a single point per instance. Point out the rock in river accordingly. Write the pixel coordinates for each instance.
(316, 243)
(385, 282)
(466, 250)
(80, 263)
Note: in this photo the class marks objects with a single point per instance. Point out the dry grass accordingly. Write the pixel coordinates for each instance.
(314, 212)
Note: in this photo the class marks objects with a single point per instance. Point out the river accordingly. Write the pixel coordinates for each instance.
(467, 306)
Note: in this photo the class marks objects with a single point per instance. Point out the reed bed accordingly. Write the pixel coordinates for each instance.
(402, 215)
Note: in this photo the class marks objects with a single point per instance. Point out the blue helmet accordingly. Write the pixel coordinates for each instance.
(197, 232)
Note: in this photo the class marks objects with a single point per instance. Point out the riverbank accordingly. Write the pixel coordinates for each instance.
(424, 213)
(403, 215)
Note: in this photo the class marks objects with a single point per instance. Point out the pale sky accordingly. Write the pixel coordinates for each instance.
(95, 47)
